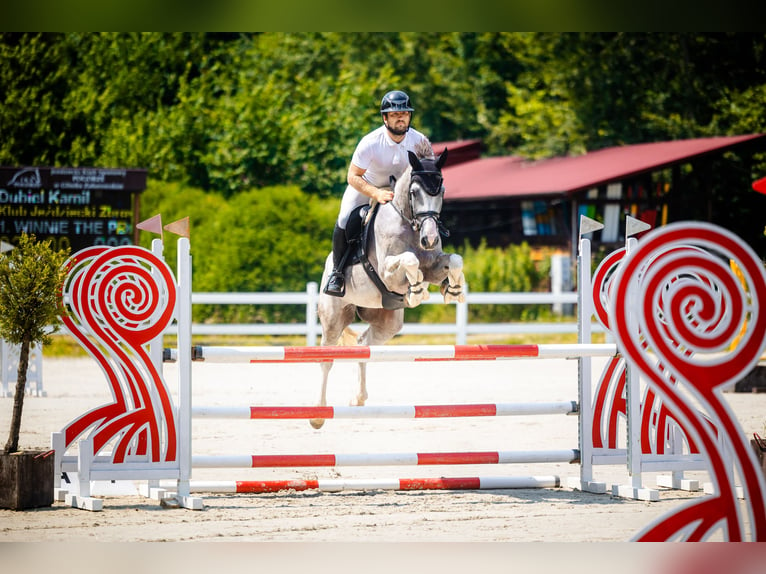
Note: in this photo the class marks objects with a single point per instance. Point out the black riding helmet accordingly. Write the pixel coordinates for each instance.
(395, 101)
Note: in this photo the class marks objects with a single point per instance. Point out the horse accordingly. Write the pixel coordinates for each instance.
(401, 256)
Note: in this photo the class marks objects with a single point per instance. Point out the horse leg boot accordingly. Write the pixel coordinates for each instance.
(453, 286)
(336, 283)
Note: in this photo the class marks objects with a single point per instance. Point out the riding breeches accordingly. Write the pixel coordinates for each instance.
(351, 200)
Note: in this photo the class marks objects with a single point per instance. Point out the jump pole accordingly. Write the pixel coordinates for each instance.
(571, 456)
(585, 481)
(383, 353)
(400, 484)
(386, 411)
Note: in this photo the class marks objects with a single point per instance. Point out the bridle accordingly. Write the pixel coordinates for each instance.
(432, 184)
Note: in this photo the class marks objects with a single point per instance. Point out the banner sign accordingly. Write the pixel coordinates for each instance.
(76, 207)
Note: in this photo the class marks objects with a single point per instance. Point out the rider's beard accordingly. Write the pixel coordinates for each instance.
(398, 131)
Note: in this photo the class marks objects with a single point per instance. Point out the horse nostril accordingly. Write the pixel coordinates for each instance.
(427, 243)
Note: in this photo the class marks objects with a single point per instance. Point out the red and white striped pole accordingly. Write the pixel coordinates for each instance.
(338, 485)
(386, 411)
(251, 354)
(570, 456)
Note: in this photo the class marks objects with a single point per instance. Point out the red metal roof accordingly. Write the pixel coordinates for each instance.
(460, 151)
(496, 177)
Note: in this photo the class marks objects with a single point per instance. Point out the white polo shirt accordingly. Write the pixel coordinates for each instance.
(381, 157)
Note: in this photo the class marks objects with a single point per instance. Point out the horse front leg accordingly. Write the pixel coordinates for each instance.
(408, 264)
(453, 286)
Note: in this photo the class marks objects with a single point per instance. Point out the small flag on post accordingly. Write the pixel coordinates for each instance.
(153, 225)
(5, 246)
(634, 226)
(180, 227)
(760, 185)
(588, 225)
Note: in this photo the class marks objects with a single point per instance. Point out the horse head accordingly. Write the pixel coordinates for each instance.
(426, 194)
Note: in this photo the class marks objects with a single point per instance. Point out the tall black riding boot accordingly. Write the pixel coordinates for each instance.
(336, 283)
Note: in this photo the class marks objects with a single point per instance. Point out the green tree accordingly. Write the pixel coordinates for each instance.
(233, 112)
(31, 278)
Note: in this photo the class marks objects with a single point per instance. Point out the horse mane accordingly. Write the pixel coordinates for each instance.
(424, 150)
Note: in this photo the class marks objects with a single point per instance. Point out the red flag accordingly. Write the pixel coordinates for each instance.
(760, 185)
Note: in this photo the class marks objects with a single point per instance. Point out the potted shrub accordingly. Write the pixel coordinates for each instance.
(31, 279)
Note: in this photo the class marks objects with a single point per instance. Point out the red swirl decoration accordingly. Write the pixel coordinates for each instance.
(609, 401)
(116, 300)
(610, 397)
(682, 317)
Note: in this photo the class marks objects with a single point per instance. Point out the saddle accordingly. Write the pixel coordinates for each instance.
(359, 233)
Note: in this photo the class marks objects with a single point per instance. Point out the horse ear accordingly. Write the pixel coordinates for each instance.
(414, 161)
(442, 159)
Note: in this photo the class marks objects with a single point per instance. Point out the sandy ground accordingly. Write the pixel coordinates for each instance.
(561, 515)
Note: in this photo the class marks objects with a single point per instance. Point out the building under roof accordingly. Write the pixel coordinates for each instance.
(509, 200)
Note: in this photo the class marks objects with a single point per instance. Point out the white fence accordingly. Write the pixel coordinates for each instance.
(461, 328)
(9, 366)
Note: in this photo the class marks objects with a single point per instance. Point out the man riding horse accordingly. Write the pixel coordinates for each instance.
(379, 156)
(396, 251)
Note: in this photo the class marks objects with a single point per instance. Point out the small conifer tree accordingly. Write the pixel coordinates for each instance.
(31, 279)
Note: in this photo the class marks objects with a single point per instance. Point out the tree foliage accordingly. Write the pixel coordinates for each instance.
(234, 112)
(250, 135)
(31, 277)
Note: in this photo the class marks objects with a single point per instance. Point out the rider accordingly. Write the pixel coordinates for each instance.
(380, 154)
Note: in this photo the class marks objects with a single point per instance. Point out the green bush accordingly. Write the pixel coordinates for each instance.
(265, 240)
(516, 268)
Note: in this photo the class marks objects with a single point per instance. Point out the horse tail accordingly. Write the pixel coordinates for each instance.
(349, 337)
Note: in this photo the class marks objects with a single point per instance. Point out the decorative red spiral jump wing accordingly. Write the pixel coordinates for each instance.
(610, 396)
(115, 301)
(609, 403)
(682, 317)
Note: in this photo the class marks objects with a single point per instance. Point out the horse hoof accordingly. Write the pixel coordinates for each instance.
(317, 423)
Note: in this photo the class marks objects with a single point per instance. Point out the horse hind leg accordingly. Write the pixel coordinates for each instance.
(361, 395)
(331, 336)
(350, 337)
(383, 325)
(318, 423)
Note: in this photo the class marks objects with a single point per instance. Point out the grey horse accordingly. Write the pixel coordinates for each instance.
(403, 257)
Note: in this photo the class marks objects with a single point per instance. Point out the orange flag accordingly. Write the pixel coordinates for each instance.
(180, 227)
(153, 224)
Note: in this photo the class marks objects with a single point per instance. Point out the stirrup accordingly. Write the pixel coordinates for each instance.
(336, 285)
